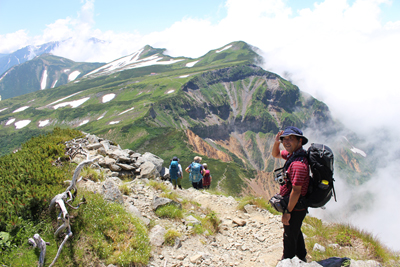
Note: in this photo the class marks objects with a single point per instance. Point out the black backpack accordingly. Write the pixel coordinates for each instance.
(320, 188)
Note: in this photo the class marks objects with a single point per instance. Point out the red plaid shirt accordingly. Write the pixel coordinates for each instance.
(297, 172)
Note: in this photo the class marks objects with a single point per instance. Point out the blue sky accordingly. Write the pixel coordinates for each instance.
(344, 53)
(127, 16)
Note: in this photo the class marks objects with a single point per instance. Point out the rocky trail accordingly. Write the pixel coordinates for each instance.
(250, 237)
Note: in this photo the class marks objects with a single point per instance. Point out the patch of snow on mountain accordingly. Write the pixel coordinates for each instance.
(170, 91)
(22, 124)
(358, 151)
(191, 64)
(226, 47)
(73, 104)
(108, 97)
(10, 121)
(20, 109)
(54, 84)
(184, 76)
(72, 76)
(126, 111)
(1, 110)
(44, 80)
(62, 99)
(43, 123)
(130, 62)
(66, 70)
(83, 122)
(114, 122)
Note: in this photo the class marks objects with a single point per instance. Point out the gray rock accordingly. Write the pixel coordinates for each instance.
(111, 192)
(115, 168)
(148, 170)
(318, 247)
(126, 167)
(157, 161)
(94, 146)
(369, 263)
(156, 235)
(161, 201)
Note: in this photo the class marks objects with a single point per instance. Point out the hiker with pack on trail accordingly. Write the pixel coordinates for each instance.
(206, 177)
(175, 172)
(294, 185)
(195, 170)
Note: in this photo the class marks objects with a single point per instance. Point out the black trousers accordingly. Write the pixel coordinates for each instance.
(198, 185)
(293, 241)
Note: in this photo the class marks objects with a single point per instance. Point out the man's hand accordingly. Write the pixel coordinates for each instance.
(276, 152)
(278, 136)
(285, 218)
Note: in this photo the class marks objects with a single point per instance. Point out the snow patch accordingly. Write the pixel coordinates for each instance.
(62, 99)
(1, 110)
(44, 80)
(191, 64)
(22, 124)
(184, 76)
(43, 123)
(358, 151)
(170, 91)
(10, 121)
(108, 97)
(20, 109)
(54, 84)
(66, 70)
(83, 122)
(126, 111)
(130, 62)
(73, 104)
(114, 122)
(226, 47)
(72, 76)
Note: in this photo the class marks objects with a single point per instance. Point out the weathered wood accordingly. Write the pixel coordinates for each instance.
(38, 242)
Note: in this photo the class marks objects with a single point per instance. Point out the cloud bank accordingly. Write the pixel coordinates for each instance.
(340, 52)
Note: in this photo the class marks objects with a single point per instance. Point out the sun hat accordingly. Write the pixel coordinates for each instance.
(175, 159)
(291, 130)
(205, 164)
(197, 159)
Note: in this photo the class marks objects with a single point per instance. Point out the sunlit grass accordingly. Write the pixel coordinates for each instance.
(351, 242)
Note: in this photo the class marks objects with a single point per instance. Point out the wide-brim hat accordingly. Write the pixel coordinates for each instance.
(291, 130)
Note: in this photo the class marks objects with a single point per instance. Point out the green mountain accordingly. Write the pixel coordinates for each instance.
(221, 105)
(43, 72)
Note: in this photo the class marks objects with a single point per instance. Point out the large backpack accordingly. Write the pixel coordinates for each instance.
(320, 188)
(195, 174)
(174, 170)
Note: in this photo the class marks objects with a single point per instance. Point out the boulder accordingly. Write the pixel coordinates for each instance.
(148, 170)
(157, 161)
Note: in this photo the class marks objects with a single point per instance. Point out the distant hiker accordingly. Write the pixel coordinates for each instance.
(294, 186)
(175, 172)
(206, 177)
(195, 170)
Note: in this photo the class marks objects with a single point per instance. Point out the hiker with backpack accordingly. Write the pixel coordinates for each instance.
(195, 170)
(206, 177)
(294, 183)
(175, 172)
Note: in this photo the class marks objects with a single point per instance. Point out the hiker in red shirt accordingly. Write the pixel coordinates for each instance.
(206, 177)
(296, 187)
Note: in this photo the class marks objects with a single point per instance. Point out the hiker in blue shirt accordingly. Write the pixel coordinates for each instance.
(175, 172)
(195, 170)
